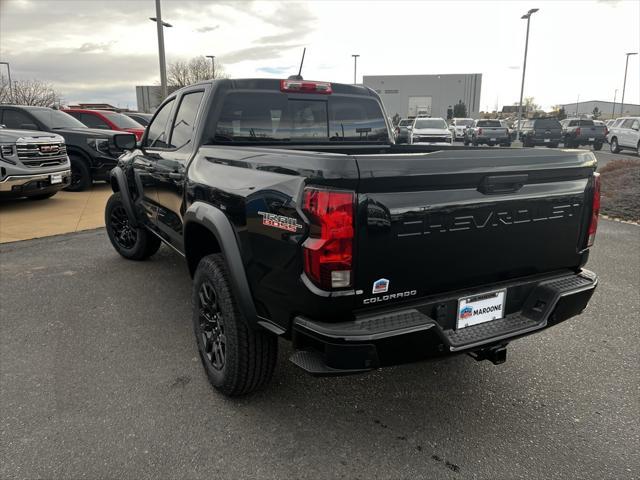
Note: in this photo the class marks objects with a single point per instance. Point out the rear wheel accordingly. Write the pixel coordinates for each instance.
(614, 147)
(80, 174)
(568, 143)
(133, 243)
(237, 359)
(465, 141)
(597, 146)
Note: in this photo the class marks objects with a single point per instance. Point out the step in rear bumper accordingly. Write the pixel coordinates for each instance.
(408, 334)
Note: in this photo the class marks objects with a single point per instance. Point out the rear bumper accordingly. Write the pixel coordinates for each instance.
(428, 330)
(543, 141)
(503, 139)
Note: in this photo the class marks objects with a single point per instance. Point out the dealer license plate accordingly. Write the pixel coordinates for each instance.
(480, 308)
(592, 139)
(55, 178)
(547, 140)
(492, 139)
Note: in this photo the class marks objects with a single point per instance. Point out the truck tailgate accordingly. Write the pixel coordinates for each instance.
(431, 223)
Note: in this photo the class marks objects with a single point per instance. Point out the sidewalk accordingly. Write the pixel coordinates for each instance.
(65, 212)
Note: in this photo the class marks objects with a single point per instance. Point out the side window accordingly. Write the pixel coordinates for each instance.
(16, 119)
(574, 123)
(635, 125)
(185, 120)
(93, 121)
(356, 119)
(157, 133)
(627, 123)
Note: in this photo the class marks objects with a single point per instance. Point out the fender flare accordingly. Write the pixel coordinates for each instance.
(118, 175)
(214, 220)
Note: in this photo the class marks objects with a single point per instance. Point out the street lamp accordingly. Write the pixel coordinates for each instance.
(526, 16)
(10, 85)
(213, 66)
(355, 65)
(624, 85)
(163, 64)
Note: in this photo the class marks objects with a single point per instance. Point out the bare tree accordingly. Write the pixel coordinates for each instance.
(28, 92)
(183, 73)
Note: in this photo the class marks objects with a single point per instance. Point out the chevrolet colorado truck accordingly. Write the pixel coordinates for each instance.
(92, 152)
(299, 218)
(32, 164)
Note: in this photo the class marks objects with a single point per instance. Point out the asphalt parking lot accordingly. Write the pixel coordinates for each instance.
(100, 379)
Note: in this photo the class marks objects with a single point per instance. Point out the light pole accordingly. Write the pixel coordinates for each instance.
(577, 108)
(526, 16)
(163, 64)
(355, 66)
(213, 66)
(613, 110)
(9, 74)
(624, 85)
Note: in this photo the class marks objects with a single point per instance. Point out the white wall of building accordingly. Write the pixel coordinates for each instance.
(399, 93)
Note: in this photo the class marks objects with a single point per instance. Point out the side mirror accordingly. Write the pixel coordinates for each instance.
(28, 126)
(125, 141)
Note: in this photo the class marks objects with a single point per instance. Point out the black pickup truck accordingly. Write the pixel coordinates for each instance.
(92, 152)
(299, 218)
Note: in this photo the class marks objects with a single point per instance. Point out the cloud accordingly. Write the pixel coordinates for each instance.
(263, 52)
(277, 70)
(207, 29)
(89, 47)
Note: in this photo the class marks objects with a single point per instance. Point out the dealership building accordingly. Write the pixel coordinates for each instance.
(605, 108)
(413, 95)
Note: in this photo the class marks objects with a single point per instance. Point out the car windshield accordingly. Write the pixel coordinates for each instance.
(430, 123)
(54, 119)
(489, 123)
(405, 123)
(121, 121)
(464, 122)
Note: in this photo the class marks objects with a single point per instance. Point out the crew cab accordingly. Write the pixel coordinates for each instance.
(487, 132)
(299, 218)
(106, 120)
(32, 164)
(583, 131)
(625, 135)
(541, 131)
(92, 152)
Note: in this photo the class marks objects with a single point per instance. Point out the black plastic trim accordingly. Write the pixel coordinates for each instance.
(119, 176)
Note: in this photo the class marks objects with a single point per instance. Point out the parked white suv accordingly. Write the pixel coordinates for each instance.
(625, 135)
(430, 130)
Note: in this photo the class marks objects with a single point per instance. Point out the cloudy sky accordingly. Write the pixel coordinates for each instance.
(98, 50)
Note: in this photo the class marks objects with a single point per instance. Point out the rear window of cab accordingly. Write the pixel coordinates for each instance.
(262, 117)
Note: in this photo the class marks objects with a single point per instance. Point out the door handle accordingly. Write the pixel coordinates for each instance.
(496, 184)
(175, 176)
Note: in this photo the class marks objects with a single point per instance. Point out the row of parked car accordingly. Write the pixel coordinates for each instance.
(44, 150)
(620, 134)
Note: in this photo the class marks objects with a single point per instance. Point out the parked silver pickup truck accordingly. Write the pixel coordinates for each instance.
(583, 131)
(32, 164)
(488, 132)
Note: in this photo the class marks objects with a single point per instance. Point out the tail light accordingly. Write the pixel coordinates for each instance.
(479, 131)
(328, 252)
(606, 131)
(593, 225)
(397, 130)
(578, 131)
(302, 86)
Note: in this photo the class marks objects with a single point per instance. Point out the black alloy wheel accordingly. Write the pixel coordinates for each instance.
(123, 233)
(211, 326)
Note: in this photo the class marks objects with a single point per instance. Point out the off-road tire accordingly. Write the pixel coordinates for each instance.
(80, 174)
(250, 354)
(141, 243)
(597, 146)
